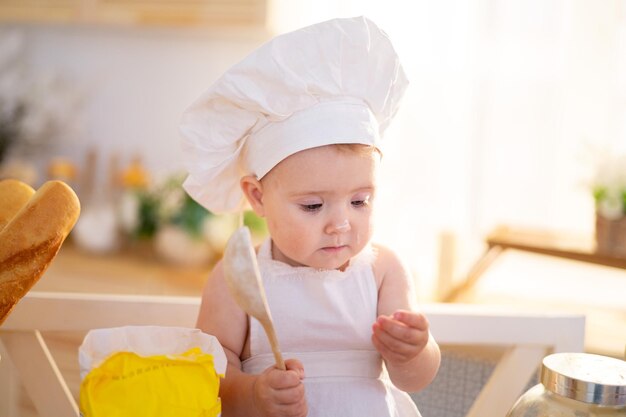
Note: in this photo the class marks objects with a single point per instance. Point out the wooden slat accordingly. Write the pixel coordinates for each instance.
(507, 381)
(8, 385)
(480, 325)
(39, 374)
(77, 311)
(450, 323)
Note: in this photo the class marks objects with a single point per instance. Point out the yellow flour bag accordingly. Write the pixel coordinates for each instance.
(144, 371)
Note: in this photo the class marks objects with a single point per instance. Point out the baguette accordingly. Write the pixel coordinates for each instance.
(32, 238)
(14, 195)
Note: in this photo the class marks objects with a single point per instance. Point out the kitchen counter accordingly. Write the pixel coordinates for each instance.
(135, 271)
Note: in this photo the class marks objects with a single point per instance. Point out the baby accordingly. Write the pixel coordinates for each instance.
(294, 130)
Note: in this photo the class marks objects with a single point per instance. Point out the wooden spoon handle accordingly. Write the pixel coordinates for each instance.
(271, 335)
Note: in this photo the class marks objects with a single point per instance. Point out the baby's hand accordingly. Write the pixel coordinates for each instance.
(281, 393)
(401, 337)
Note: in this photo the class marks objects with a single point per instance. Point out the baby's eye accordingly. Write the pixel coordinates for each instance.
(361, 201)
(311, 207)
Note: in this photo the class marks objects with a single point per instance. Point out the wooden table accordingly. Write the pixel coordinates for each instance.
(552, 243)
(570, 246)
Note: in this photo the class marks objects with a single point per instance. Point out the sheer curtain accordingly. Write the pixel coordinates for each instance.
(509, 99)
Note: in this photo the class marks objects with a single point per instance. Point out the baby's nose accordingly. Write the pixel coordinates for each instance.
(338, 227)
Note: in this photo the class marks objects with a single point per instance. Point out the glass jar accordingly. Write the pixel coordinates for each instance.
(576, 385)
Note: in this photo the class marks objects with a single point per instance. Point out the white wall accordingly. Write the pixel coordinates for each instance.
(136, 81)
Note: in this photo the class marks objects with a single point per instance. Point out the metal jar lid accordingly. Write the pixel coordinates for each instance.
(586, 377)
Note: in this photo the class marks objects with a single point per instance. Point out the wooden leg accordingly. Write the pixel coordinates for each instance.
(39, 373)
(9, 385)
(474, 274)
(507, 382)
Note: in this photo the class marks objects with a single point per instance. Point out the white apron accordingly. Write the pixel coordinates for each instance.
(324, 318)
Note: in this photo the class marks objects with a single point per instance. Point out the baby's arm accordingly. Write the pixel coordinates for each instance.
(273, 392)
(401, 333)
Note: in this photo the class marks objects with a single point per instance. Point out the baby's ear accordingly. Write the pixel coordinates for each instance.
(253, 190)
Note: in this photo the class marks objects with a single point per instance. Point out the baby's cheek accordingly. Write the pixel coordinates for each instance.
(292, 241)
(364, 234)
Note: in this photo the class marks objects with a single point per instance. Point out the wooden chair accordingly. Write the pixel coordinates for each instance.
(526, 338)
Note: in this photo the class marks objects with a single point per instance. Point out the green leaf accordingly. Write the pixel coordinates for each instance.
(191, 217)
(599, 193)
(148, 215)
(256, 224)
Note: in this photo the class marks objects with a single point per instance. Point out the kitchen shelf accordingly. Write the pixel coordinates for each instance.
(196, 13)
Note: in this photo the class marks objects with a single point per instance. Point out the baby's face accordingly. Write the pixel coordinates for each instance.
(318, 205)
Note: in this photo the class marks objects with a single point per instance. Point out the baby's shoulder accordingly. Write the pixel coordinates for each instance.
(386, 263)
(385, 256)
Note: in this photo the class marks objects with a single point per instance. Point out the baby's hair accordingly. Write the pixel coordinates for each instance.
(358, 148)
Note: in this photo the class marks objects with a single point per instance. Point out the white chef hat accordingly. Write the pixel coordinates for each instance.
(338, 81)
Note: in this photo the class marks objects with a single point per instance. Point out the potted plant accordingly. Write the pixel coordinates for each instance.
(179, 229)
(609, 192)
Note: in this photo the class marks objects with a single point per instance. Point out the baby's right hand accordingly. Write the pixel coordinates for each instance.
(281, 393)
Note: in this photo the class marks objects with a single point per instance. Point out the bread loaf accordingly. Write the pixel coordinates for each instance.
(31, 239)
(14, 195)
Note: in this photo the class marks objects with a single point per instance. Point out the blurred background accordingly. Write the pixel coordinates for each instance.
(516, 117)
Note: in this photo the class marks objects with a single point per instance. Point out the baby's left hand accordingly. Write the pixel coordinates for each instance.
(400, 337)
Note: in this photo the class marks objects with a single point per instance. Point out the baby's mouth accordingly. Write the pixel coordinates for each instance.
(334, 248)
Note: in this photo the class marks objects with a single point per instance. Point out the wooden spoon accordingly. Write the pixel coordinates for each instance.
(244, 282)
